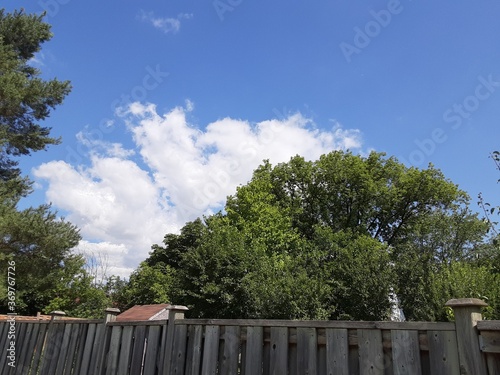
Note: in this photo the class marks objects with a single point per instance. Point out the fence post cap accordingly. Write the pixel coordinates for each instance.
(112, 310)
(57, 313)
(176, 307)
(464, 302)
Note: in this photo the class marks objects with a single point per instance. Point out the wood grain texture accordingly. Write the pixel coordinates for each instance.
(405, 353)
(279, 351)
(443, 353)
(337, 351)
(210, 350)
(231, 351)
(371, 354)
(194, 348)
(254, 350)
(307, 351)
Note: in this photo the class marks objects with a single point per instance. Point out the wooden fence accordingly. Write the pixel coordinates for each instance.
(248, 347)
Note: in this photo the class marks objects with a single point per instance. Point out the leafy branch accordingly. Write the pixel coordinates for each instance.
(488, 210)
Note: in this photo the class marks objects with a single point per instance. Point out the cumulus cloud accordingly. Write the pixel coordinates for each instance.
(123, 206)
(165, 24)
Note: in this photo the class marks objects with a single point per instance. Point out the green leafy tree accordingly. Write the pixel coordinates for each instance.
(464, 280)
(331, 238)
(210, 274)
(359, 272)
(115, 289)
(147, 285)
(436, 242)
(77, 295)
(283, 288)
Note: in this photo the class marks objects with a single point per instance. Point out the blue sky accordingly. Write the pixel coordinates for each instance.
(174, 103)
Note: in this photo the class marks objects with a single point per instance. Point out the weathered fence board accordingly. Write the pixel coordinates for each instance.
(27, 344)
(152, 345)
(337, 351)
(371, 356)
(307, 349)
(292, 357)
(167, 342)
(248, 347)
(194, 350)
(97, 349)
(254, 353)
(443, 353)
(210, 350)
(493, 363)
(179, 350)
(80, 347)
(22, 331)
(124, 349)
(405, 353)
(53, 348)
(39, 347)
(266, 352)
(231, 348)
(490, 342)
(61, 363)
(114, 350)
(279, 351)
(138, 348)
(87, 344)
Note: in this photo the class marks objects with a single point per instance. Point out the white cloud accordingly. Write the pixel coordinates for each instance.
(99, 145)
(107, 258)
(165, 24)
(123, 208)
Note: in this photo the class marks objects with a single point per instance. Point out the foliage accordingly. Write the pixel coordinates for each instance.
(435, 243)
(359, 271)
(487, 208)
(79, 298)
(464, 280)
(326, 239)
(25, 98)
(40, 244)
(48, 275)
(147, 285)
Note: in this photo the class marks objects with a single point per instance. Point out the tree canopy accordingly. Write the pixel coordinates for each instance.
(36, 241)
(25, 98)
(331, 239)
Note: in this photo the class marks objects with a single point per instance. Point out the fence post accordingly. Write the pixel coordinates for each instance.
(109, 316)
(111, 313)
(57, 315)
(52, 345)
(174, 312)
(467, 313)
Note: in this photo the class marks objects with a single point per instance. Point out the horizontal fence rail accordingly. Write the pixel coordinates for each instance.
(310, 347)
(247, 347)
